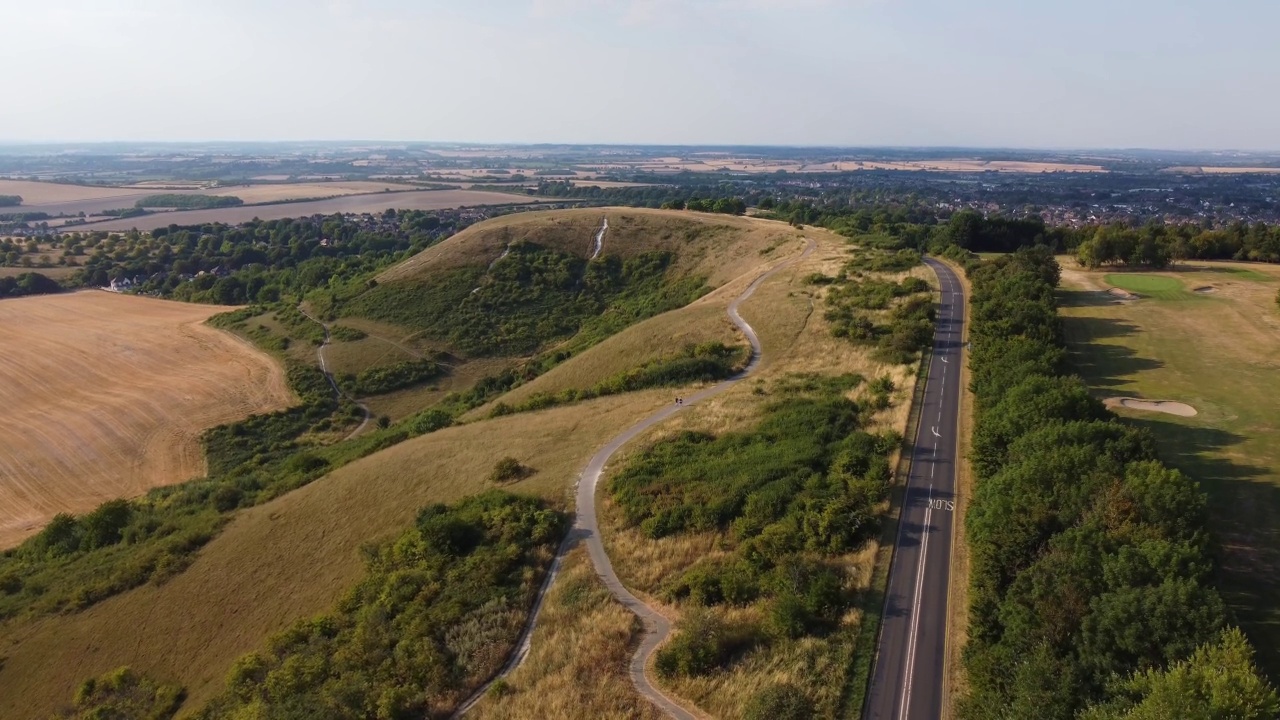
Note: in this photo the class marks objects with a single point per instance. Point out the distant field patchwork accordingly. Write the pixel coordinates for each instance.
(421, 200)
(106, 395)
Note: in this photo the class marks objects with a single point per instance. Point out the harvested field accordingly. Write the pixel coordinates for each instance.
(106, 396)
(268, 193)
(39, 193)
(419, 200)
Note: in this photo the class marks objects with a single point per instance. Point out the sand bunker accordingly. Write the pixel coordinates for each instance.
(1206, 289)
(1123, 294)
(1164, 406)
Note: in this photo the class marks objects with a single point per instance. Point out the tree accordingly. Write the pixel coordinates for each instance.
(1218, 682)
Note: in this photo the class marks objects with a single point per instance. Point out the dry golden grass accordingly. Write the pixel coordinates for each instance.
(726, 246)
(295, 556)
(106, 396)
(578, 661)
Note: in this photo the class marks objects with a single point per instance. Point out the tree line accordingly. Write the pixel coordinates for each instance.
(1091, 590)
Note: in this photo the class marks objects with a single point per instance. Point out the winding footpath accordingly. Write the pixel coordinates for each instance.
(604, 228)
(586, 527)
(324, 368)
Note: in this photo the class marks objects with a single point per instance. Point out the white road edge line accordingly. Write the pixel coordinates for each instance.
(905, 705)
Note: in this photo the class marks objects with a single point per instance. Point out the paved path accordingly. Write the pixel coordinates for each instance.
(586, 526)
(324, 368)
(908, 678)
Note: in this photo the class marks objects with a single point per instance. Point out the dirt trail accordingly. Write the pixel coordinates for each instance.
(604, 228)
(586, 527)
(324, 368)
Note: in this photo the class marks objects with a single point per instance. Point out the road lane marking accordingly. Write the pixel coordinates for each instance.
(905, 705)
(935, 432)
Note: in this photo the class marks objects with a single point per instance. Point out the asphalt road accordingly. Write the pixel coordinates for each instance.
(908, 677)
(586, 527)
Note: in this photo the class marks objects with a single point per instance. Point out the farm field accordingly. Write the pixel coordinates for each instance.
(1208, 336)
(268, 193)
(106, 396)
(418, 200)
(66, 199)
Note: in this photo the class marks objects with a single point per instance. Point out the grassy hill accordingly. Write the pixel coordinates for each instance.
(515, 295)
(298, 554)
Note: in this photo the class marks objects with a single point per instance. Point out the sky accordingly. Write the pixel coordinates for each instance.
(1171, 74)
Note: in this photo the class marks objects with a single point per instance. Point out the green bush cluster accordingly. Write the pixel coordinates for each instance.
(801, 487)
(1090, 561)
(705, 362)
(388, 378)
(436, 616)
(29, 283)
(346, 333)
(188, 202)
(896, 318)
(530, 297)
(872, 259)
(260, 261)
(124, 694)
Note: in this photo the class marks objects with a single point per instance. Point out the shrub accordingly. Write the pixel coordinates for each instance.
(508, 469)
(701, 644)
(123, 693)
(780, 701)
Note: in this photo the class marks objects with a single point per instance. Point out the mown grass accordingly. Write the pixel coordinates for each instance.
(1216, 355)
(1159, 287)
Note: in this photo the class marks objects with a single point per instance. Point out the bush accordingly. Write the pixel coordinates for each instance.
(123, 693)
(508, 469)
(780, 701)
(701, 644)
(346, 333)
(379, 380)
(437, 614)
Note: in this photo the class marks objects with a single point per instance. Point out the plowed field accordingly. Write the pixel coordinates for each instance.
(104, 396)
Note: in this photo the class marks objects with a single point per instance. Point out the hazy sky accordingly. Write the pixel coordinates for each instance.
(1010, 73)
